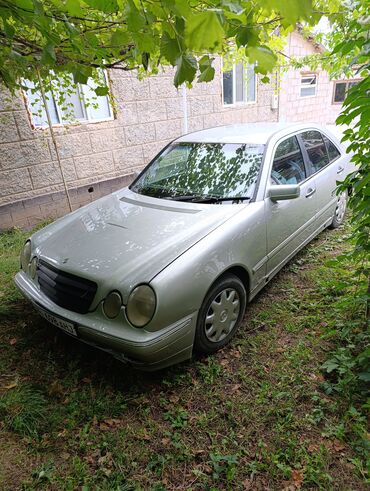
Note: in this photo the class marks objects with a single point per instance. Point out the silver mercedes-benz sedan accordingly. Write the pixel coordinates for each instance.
(166, 267)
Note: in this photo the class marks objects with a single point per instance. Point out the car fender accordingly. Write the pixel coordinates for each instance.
(240, 242)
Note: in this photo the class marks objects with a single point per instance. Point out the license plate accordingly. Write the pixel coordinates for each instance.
(66, 326)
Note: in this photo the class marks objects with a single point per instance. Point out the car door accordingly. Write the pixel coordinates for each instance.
(327, 166)
(289, 223)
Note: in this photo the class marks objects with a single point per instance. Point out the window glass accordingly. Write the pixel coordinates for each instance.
(308, 85)
(239, 82)
(203, 169)
(97, 106)
(228, 87)
(37, 108)
(352, 84)
(68, 105)
(288, 165)
(333, 152)
(72, 107)
(251, 83)
(316, 149)
(339, 91)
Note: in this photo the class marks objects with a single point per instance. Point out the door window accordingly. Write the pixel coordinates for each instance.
(288, 165)
(333, 152)
(316, 149)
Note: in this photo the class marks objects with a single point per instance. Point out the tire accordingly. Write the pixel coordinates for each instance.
(217, 325)
(340, 210)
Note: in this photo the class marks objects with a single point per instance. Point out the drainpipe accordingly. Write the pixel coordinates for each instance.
(54, 139)
(184, 110)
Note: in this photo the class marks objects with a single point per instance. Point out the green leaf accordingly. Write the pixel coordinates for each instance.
(186, 69)
(81, 74)
(48, 54)
(290, 10)
(145, 57)
(203, 31)
(179, 7)
(73, 8)
(246, 36)
(101, 90)
(170, 48)
(207, 72)
(9, 29)
(263, 57)
(108, 6)
(330, 365)
(365, 376)
(135, 20)
(73, 31)
(120, 38)
(24, 4)
(38, 8)
(233, 6)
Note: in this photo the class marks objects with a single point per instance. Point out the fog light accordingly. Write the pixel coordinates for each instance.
(26, 256)
(112, 305)
(33, 268)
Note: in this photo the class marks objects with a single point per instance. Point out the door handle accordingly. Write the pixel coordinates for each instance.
(340, 170)
(310, 192)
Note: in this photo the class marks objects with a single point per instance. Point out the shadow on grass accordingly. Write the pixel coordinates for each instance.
(40, 346)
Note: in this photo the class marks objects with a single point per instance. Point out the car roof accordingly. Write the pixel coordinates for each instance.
(253, 133)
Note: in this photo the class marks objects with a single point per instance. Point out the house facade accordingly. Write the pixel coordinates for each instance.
(106, 146)
(306, 95)
(100, 155)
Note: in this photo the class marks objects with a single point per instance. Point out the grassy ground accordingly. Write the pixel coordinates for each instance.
(254, 416)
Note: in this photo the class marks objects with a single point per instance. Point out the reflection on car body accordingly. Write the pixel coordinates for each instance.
(166, 267)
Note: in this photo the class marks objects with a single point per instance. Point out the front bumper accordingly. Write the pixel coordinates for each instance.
(143, 349)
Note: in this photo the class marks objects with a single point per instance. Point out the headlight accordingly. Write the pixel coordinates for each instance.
(26, 256)
(112, 305)
(141, 305)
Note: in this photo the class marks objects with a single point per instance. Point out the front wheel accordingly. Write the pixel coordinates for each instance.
(340, 210)
(220, 314)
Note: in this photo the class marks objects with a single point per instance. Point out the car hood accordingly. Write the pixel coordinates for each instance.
(125, 238)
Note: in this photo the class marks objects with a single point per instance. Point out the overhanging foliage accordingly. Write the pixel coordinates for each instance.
(77, 36)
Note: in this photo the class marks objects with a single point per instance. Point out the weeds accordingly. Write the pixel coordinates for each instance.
(22, 409)
(282, 407)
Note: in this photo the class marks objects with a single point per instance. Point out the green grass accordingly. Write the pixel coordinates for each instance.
(256, 415)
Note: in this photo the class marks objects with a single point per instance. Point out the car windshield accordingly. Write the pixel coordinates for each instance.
(202, 172)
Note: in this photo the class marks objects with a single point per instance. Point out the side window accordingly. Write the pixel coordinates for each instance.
(316, 149)
(288, 165)
(333, 152)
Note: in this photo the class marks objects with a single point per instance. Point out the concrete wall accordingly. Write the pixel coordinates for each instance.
(293, 107)
(149, 114)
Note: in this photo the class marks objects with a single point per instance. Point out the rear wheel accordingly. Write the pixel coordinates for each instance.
(340, 210)
(220, 314)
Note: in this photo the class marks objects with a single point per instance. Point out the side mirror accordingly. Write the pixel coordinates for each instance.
(283, 191)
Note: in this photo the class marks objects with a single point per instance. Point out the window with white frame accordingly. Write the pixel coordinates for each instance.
(73, 104)
(239, 84)
(308, 84)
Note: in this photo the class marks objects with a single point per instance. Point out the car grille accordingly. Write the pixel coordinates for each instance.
(64, 289)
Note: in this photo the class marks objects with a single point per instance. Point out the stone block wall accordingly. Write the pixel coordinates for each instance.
(148, 114)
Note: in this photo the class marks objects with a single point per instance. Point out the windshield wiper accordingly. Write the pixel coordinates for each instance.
(218, 199)
(185, 197)
(207, 199)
